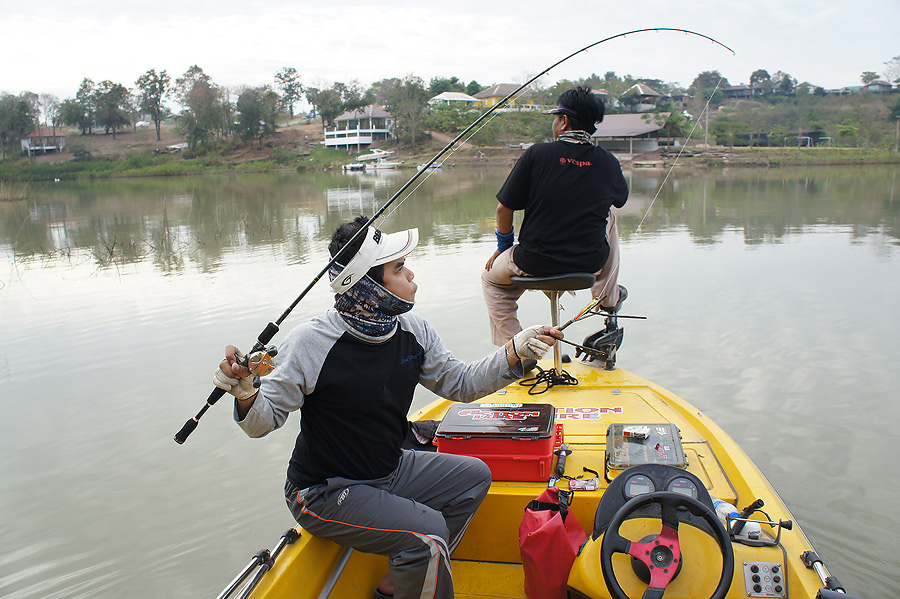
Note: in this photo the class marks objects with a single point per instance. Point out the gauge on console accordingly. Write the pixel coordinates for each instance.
(683, 486)
(638, 484)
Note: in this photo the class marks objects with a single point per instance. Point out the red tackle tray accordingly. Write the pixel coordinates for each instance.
(516, 441)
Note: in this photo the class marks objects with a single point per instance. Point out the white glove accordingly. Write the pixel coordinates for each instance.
(528, 346)
(241, 388)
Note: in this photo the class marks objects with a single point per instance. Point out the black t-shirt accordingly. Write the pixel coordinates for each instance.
(566, 191)
(355, 430)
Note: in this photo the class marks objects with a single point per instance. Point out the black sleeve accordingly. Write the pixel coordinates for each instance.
(618, 187)
(514, 193)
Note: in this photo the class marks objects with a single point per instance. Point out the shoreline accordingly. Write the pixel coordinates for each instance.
(298, 149)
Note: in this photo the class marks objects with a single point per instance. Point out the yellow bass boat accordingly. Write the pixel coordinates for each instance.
(660, 465)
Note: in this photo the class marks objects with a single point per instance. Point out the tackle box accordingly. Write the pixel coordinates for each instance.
(515, 440)
(643, 443)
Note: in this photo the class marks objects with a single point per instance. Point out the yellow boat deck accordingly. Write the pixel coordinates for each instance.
(487, 561)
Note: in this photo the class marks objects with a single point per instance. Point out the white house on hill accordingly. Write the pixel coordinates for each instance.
(453, 99)
(360, 128)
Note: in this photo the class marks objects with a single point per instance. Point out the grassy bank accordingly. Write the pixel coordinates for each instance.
(782, 157)
(153, 165)
(14, 175)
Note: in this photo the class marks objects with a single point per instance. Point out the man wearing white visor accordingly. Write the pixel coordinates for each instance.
(351, 372)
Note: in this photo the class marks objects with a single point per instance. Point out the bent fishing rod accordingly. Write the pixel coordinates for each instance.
(259, 358)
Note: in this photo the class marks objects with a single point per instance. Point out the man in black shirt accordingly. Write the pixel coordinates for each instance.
(566, 188)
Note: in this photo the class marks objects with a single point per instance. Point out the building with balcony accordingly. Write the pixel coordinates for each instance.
(360, 128)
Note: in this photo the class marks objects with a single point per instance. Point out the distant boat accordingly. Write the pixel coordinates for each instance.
(354, 166)
(381, 163)
(375, 154)
(377, 159)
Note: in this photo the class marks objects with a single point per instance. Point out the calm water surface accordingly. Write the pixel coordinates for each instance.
(772, 305)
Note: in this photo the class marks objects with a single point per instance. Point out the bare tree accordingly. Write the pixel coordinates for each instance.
(49, 110)
(892, 70)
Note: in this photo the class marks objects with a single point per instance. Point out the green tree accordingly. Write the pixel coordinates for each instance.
(784, 83)
(762, 81)
(868, 77)
(18, 116)
(439, 85)
(895, 118)
(707, 80)
(779, 135)
(113, 101)
(204, 115)
(473, 88)
(154, 88)
(73, 113)
(85, 96)
(674, 122)
(381, 90)
(407, 105)
(848, 131)
(895, 110)
(257, 110)
(353, 96)
(288, 81)
(327, 103)
(449, 118)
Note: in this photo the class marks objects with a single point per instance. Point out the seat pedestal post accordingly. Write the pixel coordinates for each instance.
(553, 287)
(554, 321)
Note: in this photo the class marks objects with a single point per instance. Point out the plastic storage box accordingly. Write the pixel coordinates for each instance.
(643, 443)
(516, 441)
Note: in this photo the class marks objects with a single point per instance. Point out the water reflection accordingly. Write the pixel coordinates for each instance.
(120, 295)
(173, 222)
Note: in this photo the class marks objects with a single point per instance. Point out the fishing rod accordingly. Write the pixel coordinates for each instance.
(259, 348)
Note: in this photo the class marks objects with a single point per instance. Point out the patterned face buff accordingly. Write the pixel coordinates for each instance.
(575, 137)
(368, 307)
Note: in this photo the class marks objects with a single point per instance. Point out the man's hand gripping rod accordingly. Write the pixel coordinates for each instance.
(258, 361)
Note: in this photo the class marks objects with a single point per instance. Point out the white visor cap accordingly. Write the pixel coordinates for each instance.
(377, 248)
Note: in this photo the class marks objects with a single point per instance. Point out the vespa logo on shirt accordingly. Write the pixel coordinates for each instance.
(564, 161)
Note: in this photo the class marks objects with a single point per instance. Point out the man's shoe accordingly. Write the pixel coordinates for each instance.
(380, 595)
(623, 295)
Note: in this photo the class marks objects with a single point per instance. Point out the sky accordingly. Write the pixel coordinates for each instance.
(51, 45)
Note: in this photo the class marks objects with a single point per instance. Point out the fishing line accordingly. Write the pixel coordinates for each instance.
(591, 307)
(273, 327)
(669, 172)
(453, 151)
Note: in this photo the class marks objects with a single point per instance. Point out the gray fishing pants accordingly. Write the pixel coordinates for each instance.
(415, 516)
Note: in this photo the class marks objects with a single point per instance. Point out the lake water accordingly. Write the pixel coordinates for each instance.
(771, 299)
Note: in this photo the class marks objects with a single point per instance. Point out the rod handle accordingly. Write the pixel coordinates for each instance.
(182, 435)
(189, 426)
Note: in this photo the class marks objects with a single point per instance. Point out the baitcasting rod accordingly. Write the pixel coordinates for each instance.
(272, 328)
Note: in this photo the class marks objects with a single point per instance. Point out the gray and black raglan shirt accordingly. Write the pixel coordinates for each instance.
(354, 393)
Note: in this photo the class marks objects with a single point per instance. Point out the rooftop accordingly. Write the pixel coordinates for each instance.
(629, 125)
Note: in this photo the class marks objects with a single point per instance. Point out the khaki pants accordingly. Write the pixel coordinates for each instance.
(501, 295)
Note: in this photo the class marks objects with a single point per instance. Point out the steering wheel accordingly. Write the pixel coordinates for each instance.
(662, 555)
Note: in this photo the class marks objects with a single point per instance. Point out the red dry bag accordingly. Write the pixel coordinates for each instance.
(549, 537)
